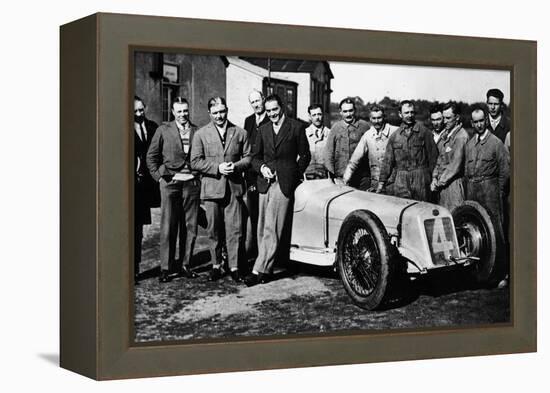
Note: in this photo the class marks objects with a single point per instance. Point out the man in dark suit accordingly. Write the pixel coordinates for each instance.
(146, 190)
(168, 160)
(221, 154)
(251, 124)
(281, 155)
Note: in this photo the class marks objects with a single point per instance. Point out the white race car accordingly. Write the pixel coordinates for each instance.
(372, 239)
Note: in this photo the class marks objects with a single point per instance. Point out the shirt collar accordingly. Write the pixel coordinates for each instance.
(311, 130)
(280, 122)
(182, 128)
(413, 127)
(352, 124)
(384, 131)
(483, 137)
(221, 130)
(451, 133)
(259, 118)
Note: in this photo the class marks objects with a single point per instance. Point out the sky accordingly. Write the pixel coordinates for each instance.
(372, 82)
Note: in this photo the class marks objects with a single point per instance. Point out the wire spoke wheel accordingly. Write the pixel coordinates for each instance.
(361, 262)
(363, 258)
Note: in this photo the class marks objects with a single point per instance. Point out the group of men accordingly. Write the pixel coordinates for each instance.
(245, 177)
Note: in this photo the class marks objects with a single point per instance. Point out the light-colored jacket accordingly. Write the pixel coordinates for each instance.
(371, 146)
(208, 152)
(450, 162)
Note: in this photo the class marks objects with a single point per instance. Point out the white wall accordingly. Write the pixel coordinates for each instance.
(240, 82)
(243, 77)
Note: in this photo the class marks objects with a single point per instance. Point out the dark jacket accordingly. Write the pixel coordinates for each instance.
(287, 154)
(146, 190)
(166, 156)
(503, 127)
(417, 151)
(141, 147)
(208, 153)
(487, 174)
(252, 130)
(486, 160)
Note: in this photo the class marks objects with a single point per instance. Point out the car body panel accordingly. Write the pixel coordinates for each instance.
(422, 232)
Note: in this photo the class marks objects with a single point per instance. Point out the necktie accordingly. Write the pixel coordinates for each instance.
(142, 132)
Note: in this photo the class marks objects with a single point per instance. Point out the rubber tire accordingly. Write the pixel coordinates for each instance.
(376, 229)
(485, 270)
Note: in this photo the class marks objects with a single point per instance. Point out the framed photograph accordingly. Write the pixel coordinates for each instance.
(318, 196)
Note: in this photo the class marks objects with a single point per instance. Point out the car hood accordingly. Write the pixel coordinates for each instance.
(387, 208)
(316, 196)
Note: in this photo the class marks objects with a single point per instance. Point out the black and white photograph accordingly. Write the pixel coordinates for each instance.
(285, 196)
(289, 196)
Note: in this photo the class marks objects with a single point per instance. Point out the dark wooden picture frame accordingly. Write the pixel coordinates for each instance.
(97, 189)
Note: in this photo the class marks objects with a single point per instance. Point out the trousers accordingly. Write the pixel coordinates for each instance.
(452, 196)
(252, 209)
(179, 206)
(271, 223)
(487, 194)
(413, 184)
(225, 216)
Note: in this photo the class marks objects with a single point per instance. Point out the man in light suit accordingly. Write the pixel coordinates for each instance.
(221, 154)
(251, 124)
(169, 164)
(146, 190)
(281, 155)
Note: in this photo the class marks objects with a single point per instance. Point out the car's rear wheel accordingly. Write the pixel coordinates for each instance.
(477, 238)
(364, 259)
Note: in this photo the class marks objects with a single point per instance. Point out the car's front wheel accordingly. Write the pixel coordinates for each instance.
(477, 238)
(364, 259)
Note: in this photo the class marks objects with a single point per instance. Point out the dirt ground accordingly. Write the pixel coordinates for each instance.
(308, 302)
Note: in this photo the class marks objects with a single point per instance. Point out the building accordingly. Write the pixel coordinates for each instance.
(160, 77)
(299, 83)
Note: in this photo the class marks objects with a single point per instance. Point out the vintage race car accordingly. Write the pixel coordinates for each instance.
(372, 239)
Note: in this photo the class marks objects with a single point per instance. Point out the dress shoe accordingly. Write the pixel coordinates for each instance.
(236, 276)
(215, 274)
(164, 277)
(255, 279)
(503, 283)
(187, 273)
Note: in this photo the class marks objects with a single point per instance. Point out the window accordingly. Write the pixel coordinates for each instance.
(286, 90)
